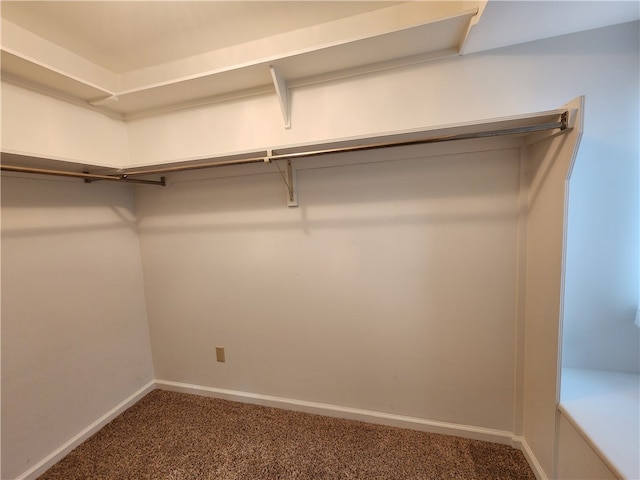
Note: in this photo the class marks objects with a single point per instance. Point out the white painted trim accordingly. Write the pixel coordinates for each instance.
(586, 396)
(58, 454)
(521, 444)
(368, 416)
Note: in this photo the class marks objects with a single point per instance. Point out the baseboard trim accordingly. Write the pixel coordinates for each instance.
(521, 444)
(369, 416)
(43, 465)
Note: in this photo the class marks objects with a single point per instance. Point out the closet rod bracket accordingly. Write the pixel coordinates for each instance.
(90, 178)
(292, 185)
(161, 183)
(289, 179)
(86, 176)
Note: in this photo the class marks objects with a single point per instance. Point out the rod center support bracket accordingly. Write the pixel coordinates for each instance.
(292, 185)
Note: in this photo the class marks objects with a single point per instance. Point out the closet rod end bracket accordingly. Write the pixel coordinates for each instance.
(564, 119)
(568, 118)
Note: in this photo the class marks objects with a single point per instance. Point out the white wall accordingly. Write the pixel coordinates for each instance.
(391, 288)
(244, 218)
(40, 125)
(601, 278)
(75, 341)
(602, 275)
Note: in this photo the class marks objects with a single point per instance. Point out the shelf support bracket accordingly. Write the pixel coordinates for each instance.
(289, 178)
(282, 91)
(292, 186)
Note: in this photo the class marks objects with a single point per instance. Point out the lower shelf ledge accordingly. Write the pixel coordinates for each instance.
(604, 407)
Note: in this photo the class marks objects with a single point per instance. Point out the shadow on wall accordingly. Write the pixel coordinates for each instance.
(35, 206)
(391, 288)
(457, 188)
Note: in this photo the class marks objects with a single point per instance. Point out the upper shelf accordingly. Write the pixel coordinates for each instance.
(412, 34)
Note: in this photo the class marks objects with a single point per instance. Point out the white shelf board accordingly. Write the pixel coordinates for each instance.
(26, 159)
(18, 67)
(386, 49)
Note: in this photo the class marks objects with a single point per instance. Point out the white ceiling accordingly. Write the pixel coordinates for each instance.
(129, 35)
(135, 57)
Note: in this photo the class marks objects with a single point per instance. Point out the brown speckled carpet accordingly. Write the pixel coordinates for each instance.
(176, 436)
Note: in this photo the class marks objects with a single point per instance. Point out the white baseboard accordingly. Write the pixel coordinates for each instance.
(521, 444)
(369, 416)
(58, 454)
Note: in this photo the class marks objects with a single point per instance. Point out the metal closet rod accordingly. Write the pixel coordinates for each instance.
(126, 175)
(86, 176)
(561, 124)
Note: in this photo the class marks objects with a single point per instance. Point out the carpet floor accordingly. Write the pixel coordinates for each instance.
(177, 436)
